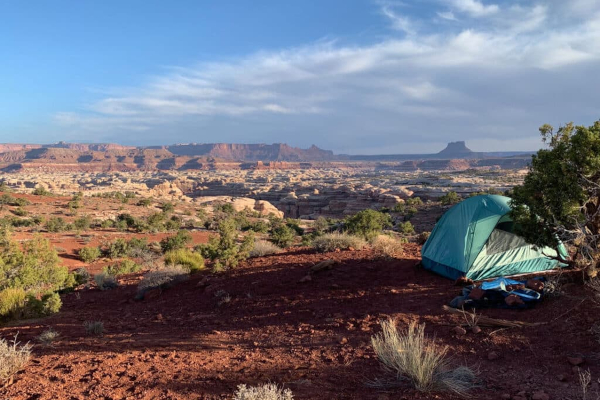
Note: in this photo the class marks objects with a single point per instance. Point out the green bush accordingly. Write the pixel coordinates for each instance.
(283, 236)
(20, 212)
(333, 241)
(89, 254)
(414, 201)
(167, 207)
(82, 276)
(124, 267)
(224, 249)
(41, 191)
(56, 224)
(51, 304)
(179, 241)
(117, 248)
(186, 258)
(449, 198)
(422, 238)
(321, 225)
(144, 202)
(12, 302)
(368, 223)
(407, 228)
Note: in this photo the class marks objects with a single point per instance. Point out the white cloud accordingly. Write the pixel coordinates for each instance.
(492, 79)
(475, 8)
(449, 15)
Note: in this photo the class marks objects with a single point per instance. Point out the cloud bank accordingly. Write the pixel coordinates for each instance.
(464, 70)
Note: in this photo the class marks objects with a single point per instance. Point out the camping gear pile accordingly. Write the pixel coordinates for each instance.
(501, 293)
(475, 239)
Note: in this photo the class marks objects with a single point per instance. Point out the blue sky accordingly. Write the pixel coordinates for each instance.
(360, 76)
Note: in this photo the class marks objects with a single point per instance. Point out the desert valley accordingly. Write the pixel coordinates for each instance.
(155, 308)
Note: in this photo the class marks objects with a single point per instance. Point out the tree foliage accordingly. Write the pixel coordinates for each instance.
(559, 198)
(368, 223)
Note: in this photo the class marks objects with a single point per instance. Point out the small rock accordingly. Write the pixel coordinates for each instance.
(561, 378)
(343, 340)
(575, 360)
(459, 330)
(351, 249)
(540, 396)
(475, 329)
(505, 396)
(536, 285)
(327, 264)
(492, 355)
(307, 278)
(513, 300)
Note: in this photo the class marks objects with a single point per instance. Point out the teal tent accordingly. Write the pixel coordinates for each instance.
(475, 239)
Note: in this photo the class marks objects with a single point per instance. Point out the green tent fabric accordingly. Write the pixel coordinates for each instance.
(474, 239)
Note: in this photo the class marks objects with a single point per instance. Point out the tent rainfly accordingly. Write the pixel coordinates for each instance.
(475, 239)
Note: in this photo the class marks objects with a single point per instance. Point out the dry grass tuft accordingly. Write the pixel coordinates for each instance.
(162, 279)
(95, 328)
(48, 336)
(105, 281)
(13, 357)
(264, 248)
(268, 391)
(386, 246)
(334, 241)
(411, 356)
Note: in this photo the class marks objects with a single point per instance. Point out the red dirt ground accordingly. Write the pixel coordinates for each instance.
(313, 337)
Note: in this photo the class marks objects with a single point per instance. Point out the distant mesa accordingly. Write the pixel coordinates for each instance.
(457, 150)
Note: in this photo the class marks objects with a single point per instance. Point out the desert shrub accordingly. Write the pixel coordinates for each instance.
(423, 236)
(107, 223)
(144, 202)
(51, 303)
(267, 391)
(33, 267)
(81, 275)
(41, 191)
(179, 241)
(89, 254)
(82, 223)
(333, 241)
(224, 249)
(161, 279)
(410, 355)
(283, 236)
(174, 223)
(258, 227)
(386, 246)
(124, 267)
(399, 208)
(12, 302)
(105, 281)
(449, 198)
(48, 336)
(367, 223)
(56, 224)
(4, 188)
(95, 328)
(20, 212)
(264, 248)
(186, 258)
(406, 228)
(117, 248)
(167, 207)
(414, 201)
(13, 358)
(321, 225)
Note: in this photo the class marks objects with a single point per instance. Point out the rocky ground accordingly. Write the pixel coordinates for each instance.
(311, 336)
(298, 193)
